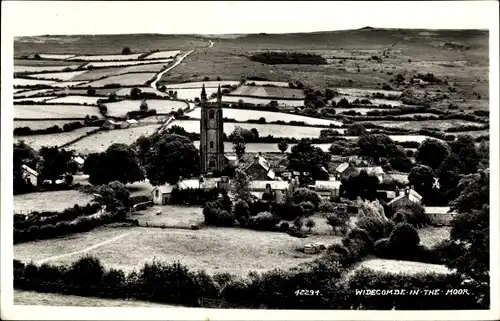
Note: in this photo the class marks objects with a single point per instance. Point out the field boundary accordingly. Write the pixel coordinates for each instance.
(80, 138)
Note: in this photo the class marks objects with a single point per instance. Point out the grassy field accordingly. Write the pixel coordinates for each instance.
(172, 216)
(430, 236)
(192, 93)
(38, 141)
(100, 141)
(274, 83)
(54, 111)
(126, 63)
(54, 56)
(401, 267)
(163, 54)
(31, 82)
(199, 84)
(98, 73)
(232, 250)
(245, 114)
(126, 91)
(36, 62)
(121, 108)
(107, 57)
(134, 79)
(80, 100)
(23, 68)
(40, 124)
(67, 75)
(28, 93)
(49, 201)
(55, 299)
(35, 99)
(67, 84)
(156, 67)
(416, 125)
(259, 91)
(263, 101)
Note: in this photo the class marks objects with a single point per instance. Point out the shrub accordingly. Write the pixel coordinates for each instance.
(284, 227)
(310, 224)
(375, 227)
(340, 249)
(360, 234)
(241, 211)
(412, 213)
(326, 207)
(306, 195)
(264, 221)
(404, 238)
(307, 207)
(381, 248)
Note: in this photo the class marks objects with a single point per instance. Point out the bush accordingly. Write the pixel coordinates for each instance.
(381, 248)
(264, 221)
(216, 216)
(284, 227)
(376, 228)
(306, 195)
(307, 207)
(404, 238)
(326, 207)
(241, 212)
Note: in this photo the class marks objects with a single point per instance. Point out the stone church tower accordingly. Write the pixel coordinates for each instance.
(212, 134)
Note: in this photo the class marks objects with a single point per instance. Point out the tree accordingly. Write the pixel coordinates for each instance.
(135, 93)
(464, 147)
(144, 105)
(422, 178)
(54, 163)
(113, 195)
(400, 160)
(361, 185)
(356, 129)
(255, 132)
(118, 163)
(404, 238)
(23, 155)
(301, 195)
(91, 92)
(241, 103)
(240, 186)
(248, 135)
(283, 146)
(432, 152)
(170, 157)
(126, 51)
(239, 145)
(376, 146)
(304, 157)
(449, 174)
(310, 224)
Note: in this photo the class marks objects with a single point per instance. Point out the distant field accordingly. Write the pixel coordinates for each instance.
(76, 100)
(126, 91)
(263, 82)
(59, 300)
(135, 79)
(362, 111)
(360, 92)
(107, 57)
(263, 129)
(36, 99)
(125, 63)
(261, 91)
(262, 147)
(401, 267)
(374, 101)
(163, 54)
(37, 141)
(98, 73)
(263, 101)
(402, 138)
(232, 250)
(245, 114)
(67, 75)
(416, 125)
(22, 68)
(31, 82)
(68, 84)
(100, 141)
(192, 93)
(49, 201)
(84, 91)
(40, 124)
(55, 56)
(121, 108)
(42, 62)
(54, 111)
(199, 84)
(31, 92)
(145, 67)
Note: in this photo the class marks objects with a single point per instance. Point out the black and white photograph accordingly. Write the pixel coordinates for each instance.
(249, 160)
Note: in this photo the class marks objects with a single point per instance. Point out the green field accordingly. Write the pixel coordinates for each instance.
(54, 111)
(49, 201)
(126, 80)
(38, 141)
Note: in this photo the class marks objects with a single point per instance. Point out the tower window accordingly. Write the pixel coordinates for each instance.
(211, 144)
(211, 114)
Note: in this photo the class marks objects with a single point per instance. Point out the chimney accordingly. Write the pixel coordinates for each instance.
(407, 191)
(256, 159)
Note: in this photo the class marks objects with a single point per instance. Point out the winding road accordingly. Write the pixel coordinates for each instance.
(179, 60)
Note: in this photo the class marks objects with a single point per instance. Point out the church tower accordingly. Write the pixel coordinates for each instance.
(212, 134)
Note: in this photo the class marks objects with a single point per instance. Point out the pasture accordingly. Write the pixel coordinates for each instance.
(23, 82)
(101, 64)
(362, 92)
(233, 250)
(199, 84)
(43, 62)
(40, 124)
(163, 54)
(262, 147)
(271, 92)
(121, 108)
(49, 201)
(67, 84)
(403, 138)
(145, 67)
(107, 57)
(172, 216)
(65, 76)
(38, 141)
(29, 93)
(28, 69)
(79, 100)
(264, 82)
(54, 111)
(263, 129)
(134, 79)
(35, 99)
(100, 141)
(126, 91)
(192, 93)
(96, 74)
(401, 267)
(374, 101)
(246, 114)
(263, 101)
(55, 56)
(416, 124)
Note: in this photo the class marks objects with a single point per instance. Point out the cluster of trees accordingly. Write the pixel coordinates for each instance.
(296, 58)
(26, 131)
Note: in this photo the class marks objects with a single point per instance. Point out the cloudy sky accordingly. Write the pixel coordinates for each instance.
(112, 17)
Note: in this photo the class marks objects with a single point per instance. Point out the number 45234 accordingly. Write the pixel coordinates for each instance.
(306, 292)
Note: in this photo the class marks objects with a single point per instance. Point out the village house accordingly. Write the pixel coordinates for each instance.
(276, 188)
(259, 170)
(403, 197)
(347, 169)
(440, 215)
(79, 161)
(327, 189)
(161, 194)
(30, 175)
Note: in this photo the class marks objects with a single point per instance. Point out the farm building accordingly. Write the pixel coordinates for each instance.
(327, 189)
(260, 170)
(404, 197)
(277, 188)
(79, 161)
(400, 178)
(161, 194)
(30, 174)
(439, 215)
(110, 124)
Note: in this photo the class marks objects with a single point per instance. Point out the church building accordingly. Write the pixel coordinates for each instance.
(212, 134)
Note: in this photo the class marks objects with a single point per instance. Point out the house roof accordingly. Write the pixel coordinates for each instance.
(164, 189)
(111, 121)
(402, 178)
(342, 167)
(438, 210)
(327, 185)
(132, 121)
(29, 170)
(79, 160)
(275, 185)
(265, 165)
(231, 157)
(377, 170)
(188, 183)
(412, 196)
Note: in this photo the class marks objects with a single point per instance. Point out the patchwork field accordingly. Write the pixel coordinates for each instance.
(134, 79)
(273, 83)
(55, 56)
(233, 250)
(31, 82)
(38, 141)
(121, 108)
(100, 141)
(35, 99)
(49, 201)
(28, 69)
(374, 101)
(76, 100)
(263, 129)
(126, 91)
(199, 84)
(263, 101)
(100, 64)
(192, 93)
(416, 125)
(27, 93)
(54, 111)
(262, 147)
(260, 91)
(107, 57)
(68, 75)
(40, 124)
(163, 54)
(245, 114)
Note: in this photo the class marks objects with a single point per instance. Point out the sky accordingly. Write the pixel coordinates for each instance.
(25, 18)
